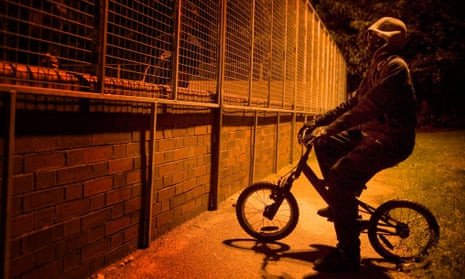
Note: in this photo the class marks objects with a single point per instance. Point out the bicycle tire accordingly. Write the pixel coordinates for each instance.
(403, 240)
(251, 205)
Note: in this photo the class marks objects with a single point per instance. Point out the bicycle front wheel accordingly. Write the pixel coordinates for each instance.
(250, 210)
(403, 231)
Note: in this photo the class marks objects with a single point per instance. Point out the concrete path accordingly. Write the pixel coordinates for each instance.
(213, 245)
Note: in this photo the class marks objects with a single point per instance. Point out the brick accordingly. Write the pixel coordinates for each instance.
(100, 169)
(73, 191)
(200, 130)
(116, 239)
(120, 151)
(74, 174)
(189, 184)
(45, 255)
(97, 186)
(164, 145)
(72, 208)
(134, 176)
(29, 144)
(117, 196)
(96, 233)
(45, 179)
(132, 205)
(119, 180)
(179, 132)
(131, 233)
(168, 169)
(71, 261)
(120, 165)
(97, 202)
(139, 162)
(50, 270)
(117, 225)
(165, 218)
(189, 206)
(21, 224)
(37, 240)
(111, 138)
(116, 254)
(72, 227)
(21, 265)
(18, 164)
(190, 141)
(96, 264)
(44, 161)
(166, 194)
(81, 271)
(44, 217)
(73, 141)
(23, 184)
(117, 210)
(43, 199)
(89, 155)
(134, 149)
(76, 242)
(16, 205)
(96, 218)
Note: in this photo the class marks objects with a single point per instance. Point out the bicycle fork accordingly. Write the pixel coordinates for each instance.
(278, 195)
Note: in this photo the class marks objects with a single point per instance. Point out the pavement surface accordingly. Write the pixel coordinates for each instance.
(213, 245)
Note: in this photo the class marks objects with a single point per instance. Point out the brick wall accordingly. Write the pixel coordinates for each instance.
(182, 167)
(80, 168)
(77, 187)
(236, 150)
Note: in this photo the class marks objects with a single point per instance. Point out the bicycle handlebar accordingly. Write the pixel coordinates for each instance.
(306, 138)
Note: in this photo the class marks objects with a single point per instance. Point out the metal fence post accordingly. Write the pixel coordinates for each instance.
(270, 55)
(9, 122)
(276, 162)
(285, 54)
(146, 210)
(176, 47)
(252, 46)
(102, 27)
(254, 148)
(217, 126)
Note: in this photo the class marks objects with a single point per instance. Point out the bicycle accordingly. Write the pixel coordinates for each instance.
(399, 230)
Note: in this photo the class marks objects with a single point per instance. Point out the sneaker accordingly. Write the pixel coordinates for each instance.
(337, 261)
(325, 212)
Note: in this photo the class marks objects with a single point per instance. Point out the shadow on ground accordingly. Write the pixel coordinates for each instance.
(275, 251)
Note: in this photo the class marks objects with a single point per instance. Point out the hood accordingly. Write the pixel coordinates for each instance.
(392, 30)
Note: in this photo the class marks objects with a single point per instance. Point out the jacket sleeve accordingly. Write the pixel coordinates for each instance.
(391, 78)
(331, 115)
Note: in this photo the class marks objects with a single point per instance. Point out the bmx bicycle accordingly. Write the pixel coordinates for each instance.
(399, 230)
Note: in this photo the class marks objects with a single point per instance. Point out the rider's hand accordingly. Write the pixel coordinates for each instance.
(304, 133)
(320, 131)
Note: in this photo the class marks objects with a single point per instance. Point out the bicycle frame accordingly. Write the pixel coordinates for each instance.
(320, 185)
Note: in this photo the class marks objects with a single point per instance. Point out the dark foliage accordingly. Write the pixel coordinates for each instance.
(435, 48)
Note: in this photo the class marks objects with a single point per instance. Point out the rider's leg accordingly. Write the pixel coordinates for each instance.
(346, 178)
(330, 149)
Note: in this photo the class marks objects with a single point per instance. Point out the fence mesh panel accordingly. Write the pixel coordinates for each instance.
(277, 54)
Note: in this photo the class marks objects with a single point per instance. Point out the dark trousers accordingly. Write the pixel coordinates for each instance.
(347, 161)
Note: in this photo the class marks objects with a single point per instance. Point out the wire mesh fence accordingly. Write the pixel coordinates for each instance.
(277, 54)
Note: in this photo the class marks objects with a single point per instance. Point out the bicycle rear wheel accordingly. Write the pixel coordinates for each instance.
(251, 206)
(403, 231)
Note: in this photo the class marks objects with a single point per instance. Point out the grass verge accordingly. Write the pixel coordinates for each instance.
(434, 175)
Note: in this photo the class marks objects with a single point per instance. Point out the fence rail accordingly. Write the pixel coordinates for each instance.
(277, 54)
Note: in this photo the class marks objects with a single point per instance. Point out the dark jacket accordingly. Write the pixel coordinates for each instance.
(383, 108)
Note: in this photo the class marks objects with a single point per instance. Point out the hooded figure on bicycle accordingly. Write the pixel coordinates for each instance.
(371, 131)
